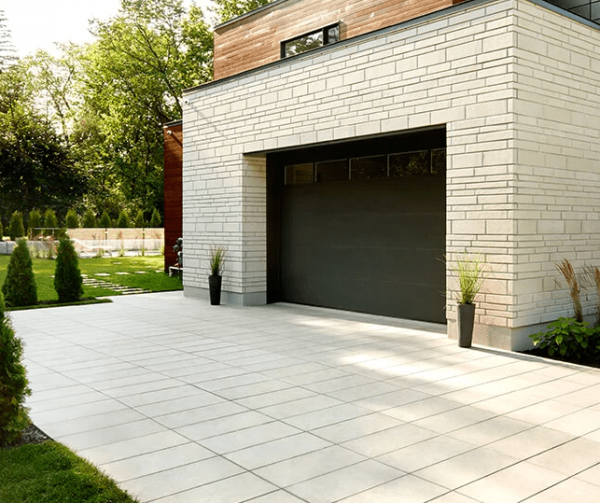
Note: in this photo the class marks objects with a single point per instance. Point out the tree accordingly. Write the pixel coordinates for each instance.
(228, 9)
(34, 223)
(14, 386)
(123, 220)
(155, 220)
(50, 220)
(16, 229)
(89, 219)
(68, 282)
(71, 219)
(105, 221)
(139, 220)
(19, 286)
(7, 50)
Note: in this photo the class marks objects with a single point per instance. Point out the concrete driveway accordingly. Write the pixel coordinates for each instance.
(183, 402)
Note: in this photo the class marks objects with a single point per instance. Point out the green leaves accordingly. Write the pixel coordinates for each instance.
(228, 9)
(571, 339)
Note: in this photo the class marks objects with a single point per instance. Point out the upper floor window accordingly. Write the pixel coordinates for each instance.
(312, 40)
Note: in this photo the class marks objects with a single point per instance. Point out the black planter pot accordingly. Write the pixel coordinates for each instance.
(465, 322)
(214, 284)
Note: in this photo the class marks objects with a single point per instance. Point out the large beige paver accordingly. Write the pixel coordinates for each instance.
(183, 402)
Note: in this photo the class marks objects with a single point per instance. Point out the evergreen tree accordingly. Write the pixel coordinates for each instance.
(16, 229)
(67, 277)
(139, 220)
(105, 221)
(50, 220)
(123, 221)
(34, 223)
(155, 220)
(1, 230)
(14, 387)
(19, 287)
(89, 219)
(72, 220)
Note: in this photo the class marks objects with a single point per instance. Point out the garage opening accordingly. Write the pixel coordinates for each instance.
(360, 225)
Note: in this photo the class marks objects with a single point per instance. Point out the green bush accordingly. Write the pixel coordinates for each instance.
(155, 220)
(19, 286)
(15, 227)
(72, 220)
(123, 220)
(569, 339)
(67, 276)
(34, 223)
(14, 387)
(1, 230)
(139, 220)
(50, 220)
(89, 219)
(105, 221)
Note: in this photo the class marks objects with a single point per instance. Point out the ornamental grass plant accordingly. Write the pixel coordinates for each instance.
(217, 260)
(470, 270)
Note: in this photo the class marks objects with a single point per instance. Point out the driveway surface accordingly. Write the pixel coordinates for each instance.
(180, 402)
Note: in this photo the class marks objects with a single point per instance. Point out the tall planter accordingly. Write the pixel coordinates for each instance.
(214, 284)
(465, 322)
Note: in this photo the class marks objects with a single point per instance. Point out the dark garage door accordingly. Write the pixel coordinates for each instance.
(373, 246)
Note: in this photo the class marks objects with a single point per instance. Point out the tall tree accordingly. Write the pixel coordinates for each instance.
(228, 9)
(7, 50)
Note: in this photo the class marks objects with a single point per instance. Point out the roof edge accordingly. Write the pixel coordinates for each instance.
(249, 14)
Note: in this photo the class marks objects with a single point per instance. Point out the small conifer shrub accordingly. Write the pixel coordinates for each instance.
(67, 276)
(50, 220)
(19, 287)
(14, 386)
(139, 220)
(1, 231)
(15, 228)
(105, 221)
(72, 220)
(155, 220)
(89, 219)
(34, 223)
(123, 220)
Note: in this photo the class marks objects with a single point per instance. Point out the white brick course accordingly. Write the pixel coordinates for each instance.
(517, 86)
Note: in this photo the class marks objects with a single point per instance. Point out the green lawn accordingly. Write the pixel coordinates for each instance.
(139, 272)
(51, 473)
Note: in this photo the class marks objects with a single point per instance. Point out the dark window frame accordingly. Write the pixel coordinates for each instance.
(324, 31)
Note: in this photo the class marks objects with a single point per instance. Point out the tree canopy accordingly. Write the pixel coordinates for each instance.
(228, 9)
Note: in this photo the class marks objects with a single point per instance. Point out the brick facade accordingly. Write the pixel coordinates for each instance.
(517, 86)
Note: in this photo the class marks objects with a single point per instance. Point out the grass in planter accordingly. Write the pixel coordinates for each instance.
(51, 473)
(151, 280)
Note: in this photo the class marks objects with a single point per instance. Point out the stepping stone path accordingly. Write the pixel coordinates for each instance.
(99, 283)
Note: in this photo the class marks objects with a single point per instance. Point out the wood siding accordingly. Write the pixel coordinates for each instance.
(173, 190)
(254, 40)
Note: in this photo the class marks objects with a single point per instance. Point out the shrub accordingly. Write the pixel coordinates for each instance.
(123, 220)
(19, 287)
(566, 269)
(105, 221)
(15, 227)
(89, 219)
(1, 231)
(72, 220)
(14, 387)
(67, 277)
(570, 339)
(155, 220)
(34, 223)
(50, 220)
(139, 220)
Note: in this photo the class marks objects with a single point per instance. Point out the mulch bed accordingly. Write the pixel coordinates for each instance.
(30, 435)
(544, 354)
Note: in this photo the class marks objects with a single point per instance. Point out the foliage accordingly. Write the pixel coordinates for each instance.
(15, 228)
(72, 219)
(50, 473)
(68, 282)
(34, 223)
(89, 219)
(471, 274)
(19, 287)
(217, 259)
(570, 339)
(228, 9)
(139, 220)
(105, 221)
(1, 230)
(13, 382)
(50, 220)
(7, 50)
(123, 220)
(566, 269)
(155, 221)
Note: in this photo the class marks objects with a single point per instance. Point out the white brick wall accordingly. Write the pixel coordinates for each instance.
(515, 84)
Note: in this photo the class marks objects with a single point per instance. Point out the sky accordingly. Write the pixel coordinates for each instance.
(38, 24)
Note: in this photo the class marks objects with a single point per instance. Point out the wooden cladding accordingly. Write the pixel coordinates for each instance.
(254, 40)
(173, 144)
